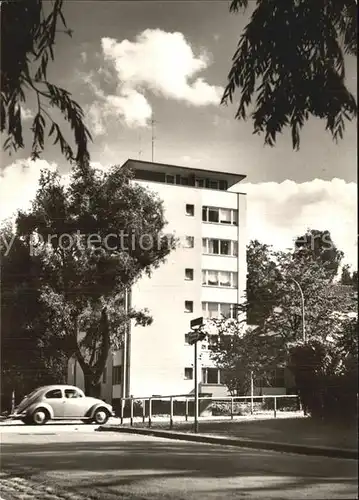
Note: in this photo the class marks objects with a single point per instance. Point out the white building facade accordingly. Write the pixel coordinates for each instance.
(205, 276)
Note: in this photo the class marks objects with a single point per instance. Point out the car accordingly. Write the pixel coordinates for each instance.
(61, 402)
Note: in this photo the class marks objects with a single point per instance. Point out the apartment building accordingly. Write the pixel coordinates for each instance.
(205, 276)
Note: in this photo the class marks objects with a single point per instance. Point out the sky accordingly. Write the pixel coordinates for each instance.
(129, 62)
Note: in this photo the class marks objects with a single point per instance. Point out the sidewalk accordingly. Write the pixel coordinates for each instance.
(291, 435)
(15, 488)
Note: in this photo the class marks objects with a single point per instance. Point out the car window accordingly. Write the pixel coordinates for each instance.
(72, 393)
(54, 394)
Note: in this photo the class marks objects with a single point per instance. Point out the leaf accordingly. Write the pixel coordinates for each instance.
(289, 62)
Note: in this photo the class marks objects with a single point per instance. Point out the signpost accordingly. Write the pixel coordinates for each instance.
(194, 336)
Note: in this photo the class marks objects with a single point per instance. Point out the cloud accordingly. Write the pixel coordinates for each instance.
(26, 113)
(157, 62)
(189, 160)
(279, 212)
(276, 212)
(18, 184)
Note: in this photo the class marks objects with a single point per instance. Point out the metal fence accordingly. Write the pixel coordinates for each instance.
(175, 406)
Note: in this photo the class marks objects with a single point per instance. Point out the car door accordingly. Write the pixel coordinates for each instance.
(75, 403)
(55, 398)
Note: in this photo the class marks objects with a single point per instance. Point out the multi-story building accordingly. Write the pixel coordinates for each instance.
(205, 276)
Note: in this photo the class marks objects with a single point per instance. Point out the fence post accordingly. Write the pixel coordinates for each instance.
(149, 412)
(232, 407)
(251, 405)
(131, 415)
(143, 410)
(275, 407)
(12, 402)
(171, 412)
(186, 410)
(123, 402)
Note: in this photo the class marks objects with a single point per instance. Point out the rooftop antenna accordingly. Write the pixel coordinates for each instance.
(140, 150)
(153, 138)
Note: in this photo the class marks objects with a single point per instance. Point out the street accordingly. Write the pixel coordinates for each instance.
(109, 466)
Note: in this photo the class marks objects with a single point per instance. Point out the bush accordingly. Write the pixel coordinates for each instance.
(326, 377)
(283, 404)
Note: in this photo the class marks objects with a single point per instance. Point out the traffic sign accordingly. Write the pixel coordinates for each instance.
(195, 336)
(196, 322)
(192, 337)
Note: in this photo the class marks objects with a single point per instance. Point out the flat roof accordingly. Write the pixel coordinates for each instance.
(164, 167)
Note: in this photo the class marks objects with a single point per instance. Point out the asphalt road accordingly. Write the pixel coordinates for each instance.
(111, 466)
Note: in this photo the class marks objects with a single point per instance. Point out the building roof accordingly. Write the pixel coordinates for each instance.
(230, 177)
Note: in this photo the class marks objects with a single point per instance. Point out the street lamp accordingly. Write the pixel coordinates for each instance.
(303, 307)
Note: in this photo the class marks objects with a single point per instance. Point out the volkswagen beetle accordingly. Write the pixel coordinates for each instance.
(61, 402)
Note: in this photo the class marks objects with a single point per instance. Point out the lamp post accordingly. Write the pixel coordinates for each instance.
(303, 308)
(124, 353)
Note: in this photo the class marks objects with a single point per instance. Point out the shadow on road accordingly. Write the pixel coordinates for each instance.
(127, 463)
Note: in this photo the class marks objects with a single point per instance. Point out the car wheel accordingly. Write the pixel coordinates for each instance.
(40, 416)
(101, 416)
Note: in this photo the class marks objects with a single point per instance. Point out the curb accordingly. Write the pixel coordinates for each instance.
(243, 443)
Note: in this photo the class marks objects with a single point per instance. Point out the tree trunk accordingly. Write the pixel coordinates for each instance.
(93, 373)
(92, 388)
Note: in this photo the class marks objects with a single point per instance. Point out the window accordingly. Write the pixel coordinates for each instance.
(189, 242)
(235, 248)
(188, 306)
(219, 247)
(225, 247)
(225, 216)
(213, 184)
(188, 373)
(213, 247)
(275, 378)
(220, 215)
(190, 210)
(223, 185)
(199, 183)
(235, 217)
(225, 278)
(218, 310)
(225, 310)
(170, 179)
(104, 375)
(211, 341)
(184, 181)
(213, 311)
(72, 393)
(116, 375)
(54, 394)
(188, 274)
(213, 215)
(211, 376)
(212, 278)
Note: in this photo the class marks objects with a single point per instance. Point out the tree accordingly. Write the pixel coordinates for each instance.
(262, 272)
(94, 239)
(28, 36)
(318, 245)
(326, 372)
(266, 346)
(346, 278)
(355, 280)
(349, 279)
(26, 360)
(241, 351)
(290, 59)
